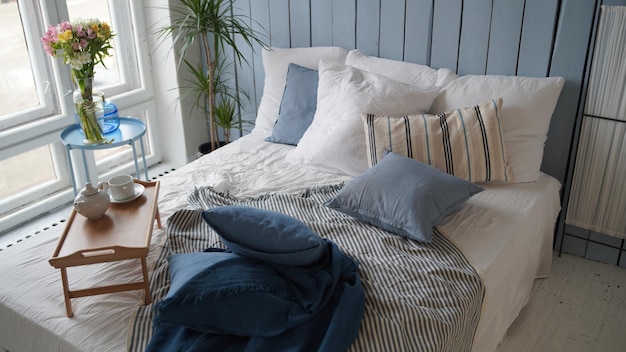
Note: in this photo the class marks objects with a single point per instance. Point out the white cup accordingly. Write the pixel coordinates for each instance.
(121, 187)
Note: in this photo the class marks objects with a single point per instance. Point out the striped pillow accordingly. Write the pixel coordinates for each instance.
(465, 142)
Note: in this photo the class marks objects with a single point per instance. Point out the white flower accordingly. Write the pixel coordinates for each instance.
(80, 59)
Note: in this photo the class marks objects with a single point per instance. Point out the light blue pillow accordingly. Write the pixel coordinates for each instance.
(403, 196)
(267, 235)
(297, 106)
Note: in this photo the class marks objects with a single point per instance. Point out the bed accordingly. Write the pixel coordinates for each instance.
(502, 230)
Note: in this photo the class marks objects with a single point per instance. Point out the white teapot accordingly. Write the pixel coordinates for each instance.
(92, 202)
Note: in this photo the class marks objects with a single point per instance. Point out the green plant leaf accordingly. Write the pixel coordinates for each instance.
(194, 22)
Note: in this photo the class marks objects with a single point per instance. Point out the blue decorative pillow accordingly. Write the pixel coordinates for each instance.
(210, 292)
(297, 106)
(403, 196)
(267, 235)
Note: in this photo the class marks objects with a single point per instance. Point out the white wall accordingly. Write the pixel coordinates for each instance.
(178, 133)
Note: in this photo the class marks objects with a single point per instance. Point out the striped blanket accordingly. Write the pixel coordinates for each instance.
(419, 297)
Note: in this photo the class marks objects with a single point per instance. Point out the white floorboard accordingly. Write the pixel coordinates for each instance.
(580, 307)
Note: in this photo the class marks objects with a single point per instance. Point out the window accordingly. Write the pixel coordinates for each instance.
(17, 83)
(36, 102)
(25, 93)
(121, 73)
(13, 174)
(84, 9)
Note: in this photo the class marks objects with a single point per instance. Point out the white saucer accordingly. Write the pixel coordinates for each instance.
(139, 188)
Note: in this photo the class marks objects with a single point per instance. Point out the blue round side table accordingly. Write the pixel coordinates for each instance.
(129, 131)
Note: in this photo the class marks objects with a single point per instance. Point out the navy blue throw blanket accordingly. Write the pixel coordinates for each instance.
(224, 301)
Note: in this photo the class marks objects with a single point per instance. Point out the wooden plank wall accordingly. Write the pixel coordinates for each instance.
(507, 37)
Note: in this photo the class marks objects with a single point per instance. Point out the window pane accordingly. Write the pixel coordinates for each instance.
(17, 84)
(86, 9)
(25, 171)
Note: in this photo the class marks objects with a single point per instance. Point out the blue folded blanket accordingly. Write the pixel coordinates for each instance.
(226, 301)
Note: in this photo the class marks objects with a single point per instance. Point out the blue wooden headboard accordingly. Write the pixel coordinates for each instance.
(509, 37)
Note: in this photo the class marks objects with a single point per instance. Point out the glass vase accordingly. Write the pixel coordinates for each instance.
(87, 111)
(110, 120)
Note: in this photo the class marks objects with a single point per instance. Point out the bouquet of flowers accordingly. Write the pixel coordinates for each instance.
(82, 44)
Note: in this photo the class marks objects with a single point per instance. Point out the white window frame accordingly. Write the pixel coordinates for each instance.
(125, 46)
(42, 70)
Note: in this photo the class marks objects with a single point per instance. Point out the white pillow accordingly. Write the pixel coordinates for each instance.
(406, 72)
(275, 64)
(335, 141)
(528, 106)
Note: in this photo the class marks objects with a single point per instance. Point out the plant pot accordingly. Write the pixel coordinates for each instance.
(205, 148)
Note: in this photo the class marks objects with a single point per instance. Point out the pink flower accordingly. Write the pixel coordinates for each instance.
(48, 49)
(49, 39)
(80, 32)
(51, 35)
(90, 33)
(64, 26)
(52, 30)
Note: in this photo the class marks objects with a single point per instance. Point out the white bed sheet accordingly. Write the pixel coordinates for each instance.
(506, 232)
(513, 246)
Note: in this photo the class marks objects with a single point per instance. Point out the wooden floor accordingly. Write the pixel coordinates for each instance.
(580, 307)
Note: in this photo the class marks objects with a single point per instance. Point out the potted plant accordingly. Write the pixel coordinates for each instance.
(214, 25)
(227, 118)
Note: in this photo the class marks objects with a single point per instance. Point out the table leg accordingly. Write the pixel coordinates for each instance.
(135, 159)
(158, 218)
(144, 269)
(87, 178)
(66, 293)
(69, 161)
(143, 155)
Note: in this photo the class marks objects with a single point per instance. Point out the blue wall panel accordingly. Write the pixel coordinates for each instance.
(474, 43)
(244, 73)
(446, 33)
(344, 23)
(321, 22)
(279, 23)
(568, 60)
(537, 34)
(368, 27)
(259, 12)
(418, 31)
(392, 29)
(300, 23)
(504, 38)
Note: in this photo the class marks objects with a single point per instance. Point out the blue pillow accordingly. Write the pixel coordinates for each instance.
(297, 106)
(403, 196)
(267, 235)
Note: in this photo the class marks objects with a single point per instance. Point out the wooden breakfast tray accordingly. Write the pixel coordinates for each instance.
(124, 232)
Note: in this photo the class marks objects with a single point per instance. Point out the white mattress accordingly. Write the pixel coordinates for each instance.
(506, 232)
